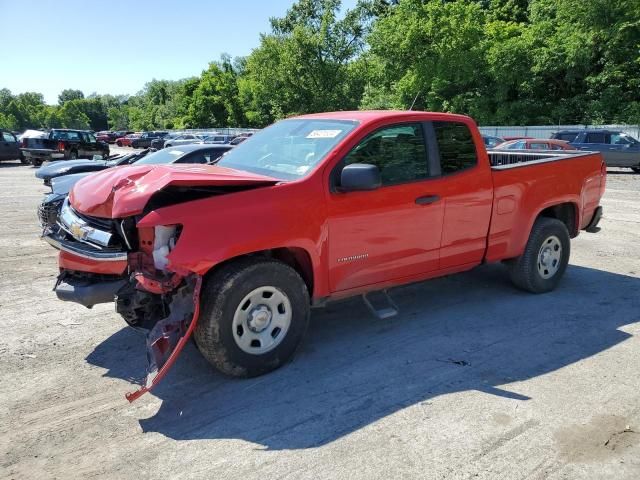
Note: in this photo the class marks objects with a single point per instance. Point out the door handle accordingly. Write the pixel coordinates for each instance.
(427, 199)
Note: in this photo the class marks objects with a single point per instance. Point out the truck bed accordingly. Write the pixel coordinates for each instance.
(525, 184)
(501, 159)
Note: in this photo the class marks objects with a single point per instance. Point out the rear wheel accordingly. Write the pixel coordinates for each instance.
(73, 155)
(254, 315)
(119, 143)
(545, 258)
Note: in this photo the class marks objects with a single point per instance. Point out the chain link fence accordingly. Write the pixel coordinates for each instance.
(219, 131)
(545, 131)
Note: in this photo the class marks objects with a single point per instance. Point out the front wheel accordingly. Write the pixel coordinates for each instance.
(545, 258)
(255, 313)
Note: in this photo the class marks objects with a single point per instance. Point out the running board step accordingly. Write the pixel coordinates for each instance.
(380, 304)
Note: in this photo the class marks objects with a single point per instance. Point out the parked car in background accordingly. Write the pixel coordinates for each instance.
(145, 139)
(9, 147)
(492, 142)
(127, 140)
(241, 138)
(219, 139)
(158, 143)
(49, 209)
(535, 144)
(62, 143)
(514, 137)
(184, 139)
(68, 167)
(109, 137)
(617, 148)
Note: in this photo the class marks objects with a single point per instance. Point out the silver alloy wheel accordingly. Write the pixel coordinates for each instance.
(549, 257)
(262, 320)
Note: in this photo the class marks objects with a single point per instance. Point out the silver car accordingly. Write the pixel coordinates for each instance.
(184, 139)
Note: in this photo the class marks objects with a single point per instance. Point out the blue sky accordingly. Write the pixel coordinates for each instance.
(116, 46)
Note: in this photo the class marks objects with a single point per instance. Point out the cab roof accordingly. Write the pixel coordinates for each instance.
(367, 116)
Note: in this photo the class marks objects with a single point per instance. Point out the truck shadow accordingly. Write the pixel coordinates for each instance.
(466, 332)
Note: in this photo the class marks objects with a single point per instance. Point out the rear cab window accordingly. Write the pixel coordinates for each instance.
(566, 136)
(456, 147)
(595, 138)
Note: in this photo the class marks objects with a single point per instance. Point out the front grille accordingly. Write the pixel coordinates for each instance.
(48, 213)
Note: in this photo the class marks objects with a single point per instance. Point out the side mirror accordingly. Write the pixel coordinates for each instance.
(360, 176)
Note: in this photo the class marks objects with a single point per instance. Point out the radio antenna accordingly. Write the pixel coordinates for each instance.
(414, 101)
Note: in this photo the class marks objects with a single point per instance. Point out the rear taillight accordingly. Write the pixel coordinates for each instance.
(61, 146)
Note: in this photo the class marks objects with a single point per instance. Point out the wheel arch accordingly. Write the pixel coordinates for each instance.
(567, 213)
(297, 258)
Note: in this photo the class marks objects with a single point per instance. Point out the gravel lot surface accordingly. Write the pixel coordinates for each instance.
(473, 380)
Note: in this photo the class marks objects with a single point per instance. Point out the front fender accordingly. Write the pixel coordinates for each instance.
(223, 227)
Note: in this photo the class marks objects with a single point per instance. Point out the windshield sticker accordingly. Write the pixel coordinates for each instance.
(324, 133)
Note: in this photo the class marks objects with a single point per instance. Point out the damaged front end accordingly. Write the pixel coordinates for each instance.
(104, 260)
(168, 337)
(114, 247)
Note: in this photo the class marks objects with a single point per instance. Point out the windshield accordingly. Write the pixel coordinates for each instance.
(162, 156)
(289, 149)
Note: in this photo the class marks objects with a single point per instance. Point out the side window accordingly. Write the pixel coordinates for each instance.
(91, 138)
(539, 146)
(457, 150)
(619, 139)
(8, 137)
(398, 151)
(569, 137)
(595, 138)
(519, 145)
(84, 137)
(73, 136)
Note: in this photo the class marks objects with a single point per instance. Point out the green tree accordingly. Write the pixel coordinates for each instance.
(304, 64)
(215, 101)
(69, 94)
(431, 52)
(71, 115)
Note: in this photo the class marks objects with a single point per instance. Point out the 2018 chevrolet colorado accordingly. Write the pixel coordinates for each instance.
(312, 209)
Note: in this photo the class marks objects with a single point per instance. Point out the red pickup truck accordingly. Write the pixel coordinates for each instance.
(312, 209)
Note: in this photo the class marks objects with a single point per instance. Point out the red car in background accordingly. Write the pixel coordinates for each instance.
(126, 141)
(535, 144)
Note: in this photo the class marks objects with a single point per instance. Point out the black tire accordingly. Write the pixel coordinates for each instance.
(73, 155)
(118, 143)
(221, 296)
(636, 169)
(527, 272)
(23, 160)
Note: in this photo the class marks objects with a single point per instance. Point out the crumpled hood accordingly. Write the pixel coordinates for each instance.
(124, 191)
